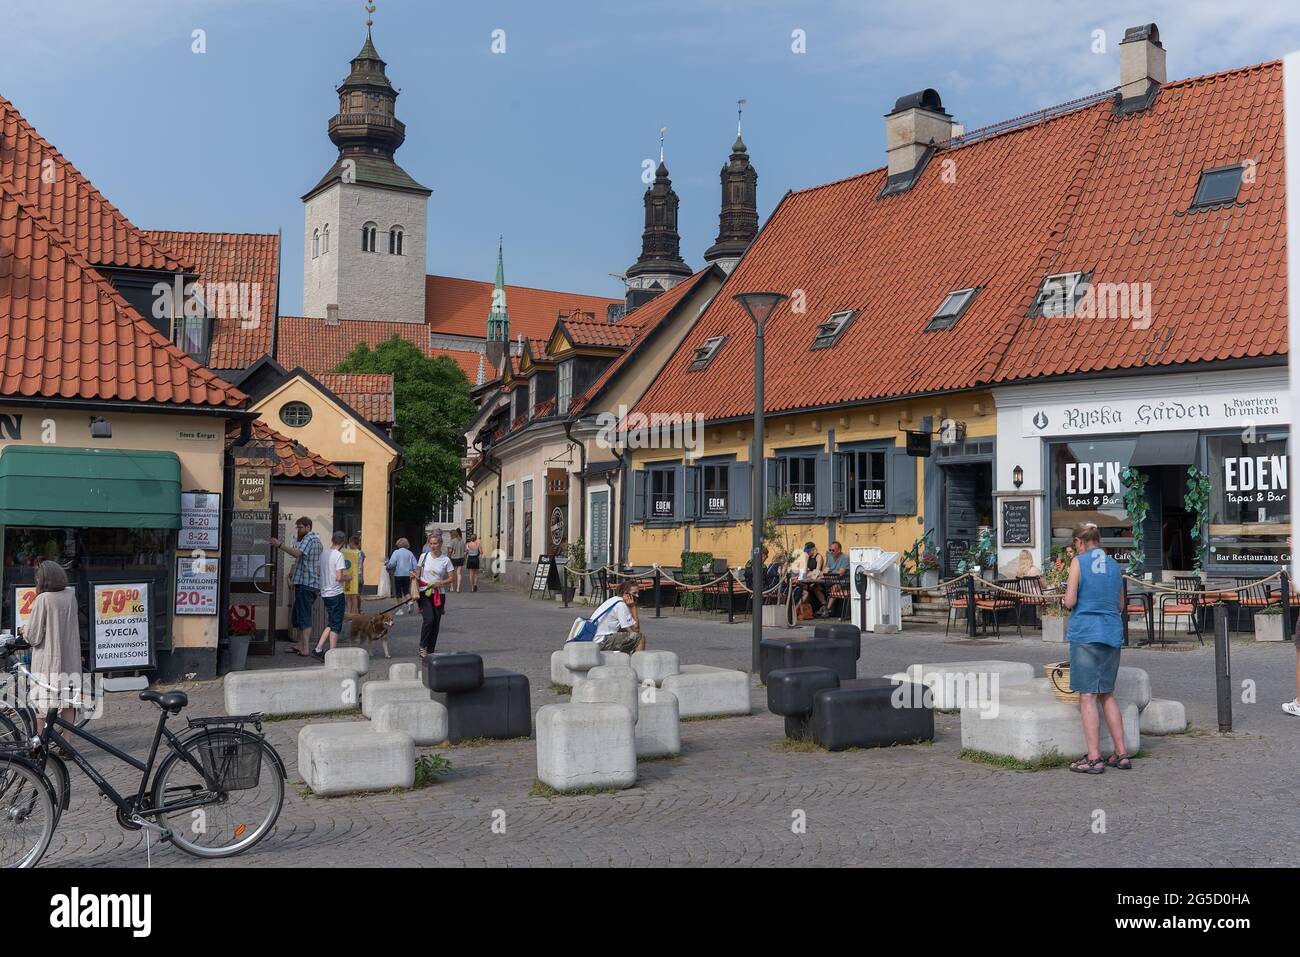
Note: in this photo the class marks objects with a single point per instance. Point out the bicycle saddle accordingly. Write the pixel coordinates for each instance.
(171, 701)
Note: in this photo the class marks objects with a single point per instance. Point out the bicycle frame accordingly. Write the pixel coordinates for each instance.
(51, 734)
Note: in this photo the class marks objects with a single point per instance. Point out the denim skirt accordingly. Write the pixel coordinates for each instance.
(1093, 667)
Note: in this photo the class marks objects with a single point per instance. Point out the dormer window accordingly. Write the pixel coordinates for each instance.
(369, 235)
(564, 387)
(395, 241)
(1218, 187)
(829, 332)
(952, 308)
(532, 396)
(1059, 293)
(705, 352)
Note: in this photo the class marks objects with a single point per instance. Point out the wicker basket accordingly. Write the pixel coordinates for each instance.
(1058, 673)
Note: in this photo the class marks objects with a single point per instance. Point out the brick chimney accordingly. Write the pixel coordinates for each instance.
(1141, 61)
(332, 315)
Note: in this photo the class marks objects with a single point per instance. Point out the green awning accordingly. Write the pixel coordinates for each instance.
(89, 488)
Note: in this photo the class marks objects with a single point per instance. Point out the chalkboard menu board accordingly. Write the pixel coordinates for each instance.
(546, 577)
(1017, 522)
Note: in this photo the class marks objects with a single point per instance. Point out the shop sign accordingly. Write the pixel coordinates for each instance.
(200, 521)
(557, 526)
(1090, 485)
(24, 599)
(662, 506)
(1255, 479)
(196, 435)
(196, 586)
(1017, 522)
(873, 497)
(803, 501)
(1250, 553)
(253, 486)
(121, 630)
(1267, 407)
(715, 504)
(249, 549)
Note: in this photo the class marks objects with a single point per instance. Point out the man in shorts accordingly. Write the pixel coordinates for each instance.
(619, 628)
(306, 551)
(333, 580)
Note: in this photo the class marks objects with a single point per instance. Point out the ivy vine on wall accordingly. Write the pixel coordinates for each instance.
(1136, 505)
(1197, 501)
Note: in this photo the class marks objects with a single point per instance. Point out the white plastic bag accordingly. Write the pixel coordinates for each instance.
(385, 588)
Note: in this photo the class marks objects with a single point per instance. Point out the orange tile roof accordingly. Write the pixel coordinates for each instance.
(1083, 191)
(460, 307)
(370, 394)
(468, 362)
(291, 460)
(65, 333)
(58, 191)
(319, 348)
(252, 258)
(604, 335)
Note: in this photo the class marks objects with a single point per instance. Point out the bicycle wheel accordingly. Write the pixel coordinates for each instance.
(227, 822)
(27, 814)
(11, 733)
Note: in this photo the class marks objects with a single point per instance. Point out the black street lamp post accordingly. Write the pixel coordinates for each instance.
(759, 306)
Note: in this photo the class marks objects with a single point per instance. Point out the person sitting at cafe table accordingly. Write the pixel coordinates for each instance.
(812, 566)
(837, 572)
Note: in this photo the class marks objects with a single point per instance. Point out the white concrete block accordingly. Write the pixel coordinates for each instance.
(616, 658)
(621, 672)
(581, 655)
(1163, 716)
(346, 756)
(1133, 684)
(616, 688)
(404, 671)
(561, 674)
(290, 691)
(658, 728)
(704, 690)
(355, 660)
(956, 684)
(1028, 726)
(655, 665)
(376, 694)
(585, 746)
(424, 721)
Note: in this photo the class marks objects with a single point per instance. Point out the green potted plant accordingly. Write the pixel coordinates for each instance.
(1197, 501)
(575, 555)
(1268, 624)
(1055, 574)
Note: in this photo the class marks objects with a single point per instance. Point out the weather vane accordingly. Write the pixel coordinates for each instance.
(370, 12)
(740, 108)
(662, 131)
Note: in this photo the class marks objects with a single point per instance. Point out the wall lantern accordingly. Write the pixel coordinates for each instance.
(1018, 476)
(100, 428)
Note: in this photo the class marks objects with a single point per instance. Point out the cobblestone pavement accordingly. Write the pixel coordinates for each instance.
(1198, 800)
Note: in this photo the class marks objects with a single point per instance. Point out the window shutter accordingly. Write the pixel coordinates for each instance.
(773, 481)
(825, 492)
(900, 482)
(639, 482)
(841, 482)
(691, 500)
(679, 492)
(740, 481)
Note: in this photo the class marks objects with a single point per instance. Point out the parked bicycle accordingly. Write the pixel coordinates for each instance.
(216, 792)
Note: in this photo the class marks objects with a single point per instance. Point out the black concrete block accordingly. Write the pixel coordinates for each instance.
(790, 690)
(838, 654)
(843, 631)
(457, 671)
(498, 708)
(863, 714)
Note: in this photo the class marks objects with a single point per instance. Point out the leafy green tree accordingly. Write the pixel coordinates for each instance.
(433, 406)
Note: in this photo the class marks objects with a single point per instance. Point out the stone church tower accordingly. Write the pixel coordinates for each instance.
(660, 265)
(738, 219)
(365, 221)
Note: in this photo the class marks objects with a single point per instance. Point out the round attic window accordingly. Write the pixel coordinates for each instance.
(295, 414)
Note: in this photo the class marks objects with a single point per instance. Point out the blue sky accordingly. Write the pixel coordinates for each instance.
(545, 142)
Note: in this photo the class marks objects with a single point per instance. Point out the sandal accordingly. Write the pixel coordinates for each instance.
(1123, 762)
(1086, 765)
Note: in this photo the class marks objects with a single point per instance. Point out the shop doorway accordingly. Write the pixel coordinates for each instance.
(967, 507)
(1168, 521)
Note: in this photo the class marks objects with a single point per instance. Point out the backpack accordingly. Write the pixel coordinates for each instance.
(584, 629)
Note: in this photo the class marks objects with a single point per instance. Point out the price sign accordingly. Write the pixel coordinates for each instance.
(120, 638)
(196, 586)
(200, 521)
(24, 599)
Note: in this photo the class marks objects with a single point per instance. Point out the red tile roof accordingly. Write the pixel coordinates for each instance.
(468, 362)
(290, 459)
(319, 348)
(601, 335)
(251, 258)
(1083, 191)
(58, 191)
(65, 333)
(370, 394)
(460, 307)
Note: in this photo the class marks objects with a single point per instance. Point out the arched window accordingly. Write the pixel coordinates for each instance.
(395, 240)
(325, 239)
(315, 243)
(369, 237)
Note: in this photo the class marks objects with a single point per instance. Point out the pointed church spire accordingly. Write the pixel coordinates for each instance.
(660, 265)
(738, 218)
(498, 323)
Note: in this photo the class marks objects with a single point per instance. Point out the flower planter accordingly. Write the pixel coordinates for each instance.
(234, 656)
(930, 579)
(906, 604)
(1268, 628)
(1054, 627)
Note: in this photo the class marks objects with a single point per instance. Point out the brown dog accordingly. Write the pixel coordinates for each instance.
(368, 629)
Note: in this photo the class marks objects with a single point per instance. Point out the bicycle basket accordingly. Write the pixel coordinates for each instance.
(231, 763)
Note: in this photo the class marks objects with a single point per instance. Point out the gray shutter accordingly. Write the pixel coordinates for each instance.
(639, 482)
(900, 487)
(679, 492)
(825, 504)
(773, 483)
(841, 482)
(740, 482)
(691, 502)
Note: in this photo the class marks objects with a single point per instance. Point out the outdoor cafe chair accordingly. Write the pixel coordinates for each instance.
(1187, 599)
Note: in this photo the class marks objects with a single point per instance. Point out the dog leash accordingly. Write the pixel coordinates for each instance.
(404, 601)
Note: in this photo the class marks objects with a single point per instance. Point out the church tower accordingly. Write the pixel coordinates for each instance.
(498, 322)
(365, 221)
(660, 265)
(738, 220)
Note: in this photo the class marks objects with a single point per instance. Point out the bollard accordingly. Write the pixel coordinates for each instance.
(971, 619)
(1222, 668)
(1286, 604)
(564, 586)
(731, 611)
(604, 585)
(657, 593)
(1123, 599)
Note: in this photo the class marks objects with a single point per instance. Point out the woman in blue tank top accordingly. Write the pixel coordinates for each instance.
(1095, 593)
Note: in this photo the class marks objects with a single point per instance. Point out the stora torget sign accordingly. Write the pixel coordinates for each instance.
(1154, 414)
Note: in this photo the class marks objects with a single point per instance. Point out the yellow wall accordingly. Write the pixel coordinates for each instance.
(197, 440)
(733, 542)
(335, 435)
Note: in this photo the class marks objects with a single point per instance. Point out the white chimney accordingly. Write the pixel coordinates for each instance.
(1141, 61)
(332, 314)
(917, 121)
